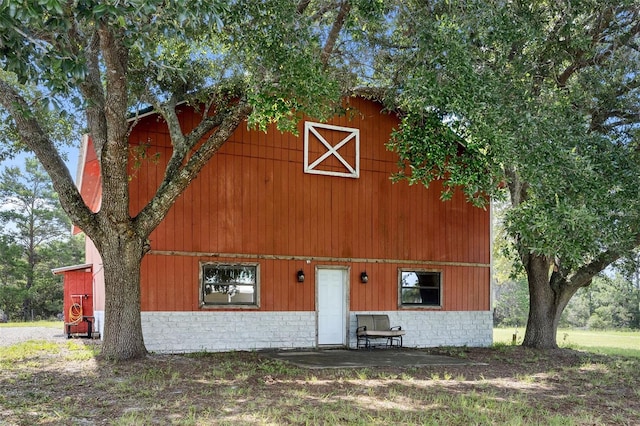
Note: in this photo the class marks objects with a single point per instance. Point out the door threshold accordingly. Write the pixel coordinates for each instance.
(332, 347)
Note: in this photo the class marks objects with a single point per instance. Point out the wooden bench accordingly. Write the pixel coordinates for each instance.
(377, 327)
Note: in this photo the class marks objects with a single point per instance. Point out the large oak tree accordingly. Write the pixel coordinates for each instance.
(249, 61)
(542, 98)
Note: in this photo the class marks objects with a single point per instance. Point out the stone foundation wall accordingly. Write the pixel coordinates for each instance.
(177, 332)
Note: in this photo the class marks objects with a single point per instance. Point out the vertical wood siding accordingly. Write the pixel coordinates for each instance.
(253, 198)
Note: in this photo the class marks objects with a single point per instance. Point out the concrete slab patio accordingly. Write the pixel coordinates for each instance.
(343, 358)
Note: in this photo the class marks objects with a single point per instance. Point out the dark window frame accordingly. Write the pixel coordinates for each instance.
(405, 288)
(208, 293)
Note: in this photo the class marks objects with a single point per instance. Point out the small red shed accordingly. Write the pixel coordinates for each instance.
(78, 299)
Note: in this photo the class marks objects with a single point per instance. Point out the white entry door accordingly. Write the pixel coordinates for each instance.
(332, 306)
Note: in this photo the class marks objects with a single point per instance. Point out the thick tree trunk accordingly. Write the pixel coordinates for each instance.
(121, 257)
(546, 304)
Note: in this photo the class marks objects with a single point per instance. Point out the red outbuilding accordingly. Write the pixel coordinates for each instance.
(283, 239)
(78, 299)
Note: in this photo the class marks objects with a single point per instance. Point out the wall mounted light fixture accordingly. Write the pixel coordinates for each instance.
(300, 276)
(364, 278)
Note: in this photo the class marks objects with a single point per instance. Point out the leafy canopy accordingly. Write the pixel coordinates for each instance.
(265, 51)
(537, 97)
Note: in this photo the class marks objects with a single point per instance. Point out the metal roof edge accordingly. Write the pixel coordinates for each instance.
(63, 269)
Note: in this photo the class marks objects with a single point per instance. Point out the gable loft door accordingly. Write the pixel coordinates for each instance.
(332, 306)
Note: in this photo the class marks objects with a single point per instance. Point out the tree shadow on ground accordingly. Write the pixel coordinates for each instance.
(72, 384)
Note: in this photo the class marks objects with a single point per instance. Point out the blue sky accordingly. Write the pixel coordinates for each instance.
(70, 152)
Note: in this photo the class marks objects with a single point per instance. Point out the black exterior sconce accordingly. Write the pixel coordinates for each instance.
(300, 276)
(364, 278)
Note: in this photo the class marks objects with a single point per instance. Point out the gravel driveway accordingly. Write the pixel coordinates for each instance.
(12, 335)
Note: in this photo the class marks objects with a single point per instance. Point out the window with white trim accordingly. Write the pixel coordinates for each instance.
(229, 284)
(420, 288)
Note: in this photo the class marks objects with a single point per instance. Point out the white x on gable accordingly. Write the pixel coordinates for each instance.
(331, 150)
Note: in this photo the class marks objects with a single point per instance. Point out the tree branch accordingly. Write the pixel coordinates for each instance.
(604, 21)
(602, 114)
(182, 148)
(582, 276)
(302, 6)
(35, 138)
(517, 187)
(322, 10)
(173, 185)
(115, 154)
(93, 92)
(335, 31)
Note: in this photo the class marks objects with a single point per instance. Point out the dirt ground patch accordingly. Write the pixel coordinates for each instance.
(66, 383)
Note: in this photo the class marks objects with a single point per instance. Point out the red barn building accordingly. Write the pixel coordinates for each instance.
(283, 239)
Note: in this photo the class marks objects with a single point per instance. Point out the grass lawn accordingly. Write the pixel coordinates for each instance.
(67, 382)
(610, 342)
(48, 324)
